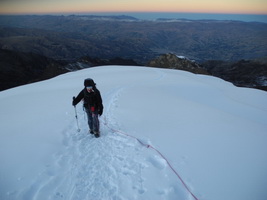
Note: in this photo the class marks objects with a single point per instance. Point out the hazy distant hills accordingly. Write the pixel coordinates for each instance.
(71, 37)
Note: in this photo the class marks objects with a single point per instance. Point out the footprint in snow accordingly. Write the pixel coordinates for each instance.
(157, 162)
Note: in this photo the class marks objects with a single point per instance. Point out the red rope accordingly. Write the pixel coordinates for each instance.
(161, 155)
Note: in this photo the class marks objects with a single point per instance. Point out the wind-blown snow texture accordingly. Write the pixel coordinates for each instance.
(212, 133)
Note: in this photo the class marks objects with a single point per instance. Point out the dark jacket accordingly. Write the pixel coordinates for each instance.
(92, 99)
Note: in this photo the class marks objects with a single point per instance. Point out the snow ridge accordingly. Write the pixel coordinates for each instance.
(120, 171)
(209, 131)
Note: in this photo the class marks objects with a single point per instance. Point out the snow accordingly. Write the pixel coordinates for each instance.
(181, 57)
(211, 133)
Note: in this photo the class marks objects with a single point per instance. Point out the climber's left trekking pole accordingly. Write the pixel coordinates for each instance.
(78, 128)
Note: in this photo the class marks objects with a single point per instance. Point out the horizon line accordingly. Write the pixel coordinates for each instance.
(115, 12)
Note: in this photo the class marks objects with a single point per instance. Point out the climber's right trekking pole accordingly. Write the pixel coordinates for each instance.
(78, 128)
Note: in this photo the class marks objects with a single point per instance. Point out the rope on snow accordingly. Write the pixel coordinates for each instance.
(151, 147)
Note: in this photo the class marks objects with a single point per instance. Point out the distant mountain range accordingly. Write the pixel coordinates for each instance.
(71, 37)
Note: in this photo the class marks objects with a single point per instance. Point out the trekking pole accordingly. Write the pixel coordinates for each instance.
(78, 128)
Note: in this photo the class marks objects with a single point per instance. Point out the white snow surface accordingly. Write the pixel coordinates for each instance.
(212, 134)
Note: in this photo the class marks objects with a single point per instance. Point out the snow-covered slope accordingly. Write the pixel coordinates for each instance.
(201, 130)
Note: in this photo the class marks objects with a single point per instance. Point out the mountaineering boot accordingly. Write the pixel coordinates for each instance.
(90, 131)
(97, 134)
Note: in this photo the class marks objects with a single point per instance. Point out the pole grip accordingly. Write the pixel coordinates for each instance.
(73, 100)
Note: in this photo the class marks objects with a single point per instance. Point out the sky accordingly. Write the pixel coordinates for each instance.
(82, 6)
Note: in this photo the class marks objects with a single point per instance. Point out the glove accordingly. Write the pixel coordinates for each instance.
(74, 101)
(100, 112)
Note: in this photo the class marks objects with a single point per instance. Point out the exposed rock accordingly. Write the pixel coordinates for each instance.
(171, 61)
(243, 73)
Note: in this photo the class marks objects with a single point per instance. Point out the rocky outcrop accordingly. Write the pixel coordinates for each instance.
(244, 73)
(171, 61)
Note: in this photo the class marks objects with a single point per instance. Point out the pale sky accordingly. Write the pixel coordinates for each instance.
(72, 6)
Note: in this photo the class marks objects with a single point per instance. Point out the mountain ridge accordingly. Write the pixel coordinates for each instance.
(18, 68)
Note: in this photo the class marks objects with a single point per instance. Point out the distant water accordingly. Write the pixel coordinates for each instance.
(191, 16)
